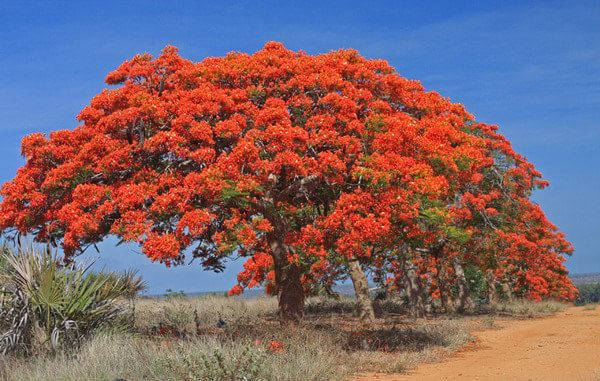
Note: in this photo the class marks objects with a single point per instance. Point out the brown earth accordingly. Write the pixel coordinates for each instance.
(565, 346)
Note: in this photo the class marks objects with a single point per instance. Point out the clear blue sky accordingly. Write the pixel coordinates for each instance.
(531, 67)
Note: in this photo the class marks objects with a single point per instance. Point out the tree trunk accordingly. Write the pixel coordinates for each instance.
(364, 305)
(413, 289)
(465, 303)
(445, 291)
(507, 290)
(329, 291)
(291, 294)
(289, 286)
(491, 288)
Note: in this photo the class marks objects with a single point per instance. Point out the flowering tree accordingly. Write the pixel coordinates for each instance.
(493, 226)
(298, 163)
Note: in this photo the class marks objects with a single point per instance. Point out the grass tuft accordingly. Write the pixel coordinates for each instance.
(528, 309)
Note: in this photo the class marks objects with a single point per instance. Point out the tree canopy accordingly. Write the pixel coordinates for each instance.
(298, 163)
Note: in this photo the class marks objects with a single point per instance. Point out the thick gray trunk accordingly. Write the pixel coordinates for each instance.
(507, 290)
(413, 289)
(464, 302)
(491, 288)
(364, 305)
(289, 286)
(329, 292)
(445, 292)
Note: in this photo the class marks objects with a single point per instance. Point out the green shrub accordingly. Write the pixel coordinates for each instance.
(127, 284)
(218, 362)
(477, 284)
(588, 293)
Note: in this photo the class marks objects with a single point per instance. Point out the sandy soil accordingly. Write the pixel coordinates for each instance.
(562, 347)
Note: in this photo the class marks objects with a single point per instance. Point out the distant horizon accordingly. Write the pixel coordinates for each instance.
(342, 287)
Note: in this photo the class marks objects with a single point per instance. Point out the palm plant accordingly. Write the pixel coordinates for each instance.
(44, 303)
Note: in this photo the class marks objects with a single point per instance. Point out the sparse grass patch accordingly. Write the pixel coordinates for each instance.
(185, 316)
(443, 333)
(528, 309)
(489, 322)
(320, 305)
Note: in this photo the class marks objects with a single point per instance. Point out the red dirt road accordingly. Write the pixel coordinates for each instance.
(562, 347)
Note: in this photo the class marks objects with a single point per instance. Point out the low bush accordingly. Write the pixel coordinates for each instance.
(588, 293)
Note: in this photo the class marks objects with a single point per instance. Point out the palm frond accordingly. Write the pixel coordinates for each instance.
(66, 303)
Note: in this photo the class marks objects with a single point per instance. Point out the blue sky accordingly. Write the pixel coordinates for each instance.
(531, 67)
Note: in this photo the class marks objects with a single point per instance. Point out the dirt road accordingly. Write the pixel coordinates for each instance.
(562, 347)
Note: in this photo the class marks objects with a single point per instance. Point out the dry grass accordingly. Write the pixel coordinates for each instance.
(528, 309)
(134, 358)
(183, 314)
(185, 339)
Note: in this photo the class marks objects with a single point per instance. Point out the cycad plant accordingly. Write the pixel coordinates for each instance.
(45, 304)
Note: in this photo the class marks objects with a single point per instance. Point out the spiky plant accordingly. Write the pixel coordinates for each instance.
(46, 304)
(127, 284)
(122, 285)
